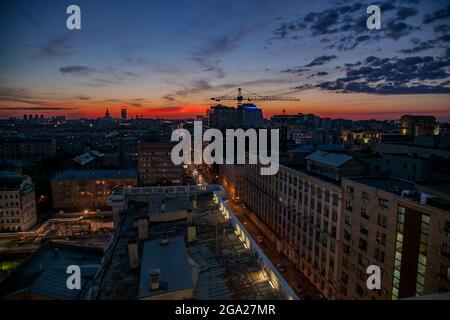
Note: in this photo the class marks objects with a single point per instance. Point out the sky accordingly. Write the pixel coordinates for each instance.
(167, 58)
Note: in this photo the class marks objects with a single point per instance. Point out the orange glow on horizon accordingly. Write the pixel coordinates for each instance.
(347, 106)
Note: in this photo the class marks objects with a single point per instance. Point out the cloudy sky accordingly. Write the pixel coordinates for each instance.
(168, 57)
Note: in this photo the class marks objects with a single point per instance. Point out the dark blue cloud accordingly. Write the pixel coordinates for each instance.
(77, 70)
(318, 61)
(406, 12)
(441, 14)
(410, 75)
(343, 27)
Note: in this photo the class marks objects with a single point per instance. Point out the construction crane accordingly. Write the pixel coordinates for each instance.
(241, 95)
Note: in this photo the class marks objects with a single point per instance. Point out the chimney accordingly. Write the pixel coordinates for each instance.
(164, 240)
(133, 255)
(192, 233)
(142, 229)
(154, 280)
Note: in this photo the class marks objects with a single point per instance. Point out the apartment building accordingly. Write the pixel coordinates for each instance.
(391, 223)
(17, 203)
(244, 116)
(231, 177)
(27, 148)
(300, 212)
(86, 189)
(155, 166)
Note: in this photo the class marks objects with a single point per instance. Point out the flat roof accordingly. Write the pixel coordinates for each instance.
(329, 158)
(171, 204)
(219, 264)
(309, 148)
(88, 157)
(44, 273)
(171, 261)
(438, 186)
(387, 184)
(11, 181)
(95, 174)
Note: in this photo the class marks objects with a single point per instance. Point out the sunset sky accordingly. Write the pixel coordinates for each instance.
(166, 58)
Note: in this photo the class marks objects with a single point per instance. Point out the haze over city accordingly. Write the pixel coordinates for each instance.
(159, 62)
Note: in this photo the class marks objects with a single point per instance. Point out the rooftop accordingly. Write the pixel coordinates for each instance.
(11, 181)
(88, 157)
(171, 204)
(436, 193)
(220, 266)
(95, 174)
(309, 148)
(171, 261)
(329, 158)
(387, 184)
(44, 273)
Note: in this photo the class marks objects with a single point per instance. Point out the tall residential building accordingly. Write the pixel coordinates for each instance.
(397, 226)
(245, 116)
(250, 116)
(301, 213)
(17, 202)
(86, 189)
(155, 165)
(127, 151)
(123, 114)
(222, 117)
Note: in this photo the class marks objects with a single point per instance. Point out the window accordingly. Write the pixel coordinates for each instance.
(348, 205)
(381, 238)
(365, 195)
(447, 226)
(379, 254)
(382, 220)
(332, 248)
(347, 220)
(335, 199)
(333, 231)
(327, 195)
(362, 244)
(326, 211)
(364, 213)
(383, 203)
(445, 272)
(347, 235)
(334, 215)
(363, 229)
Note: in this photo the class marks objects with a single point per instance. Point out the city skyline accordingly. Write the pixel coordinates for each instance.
(158, 62)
